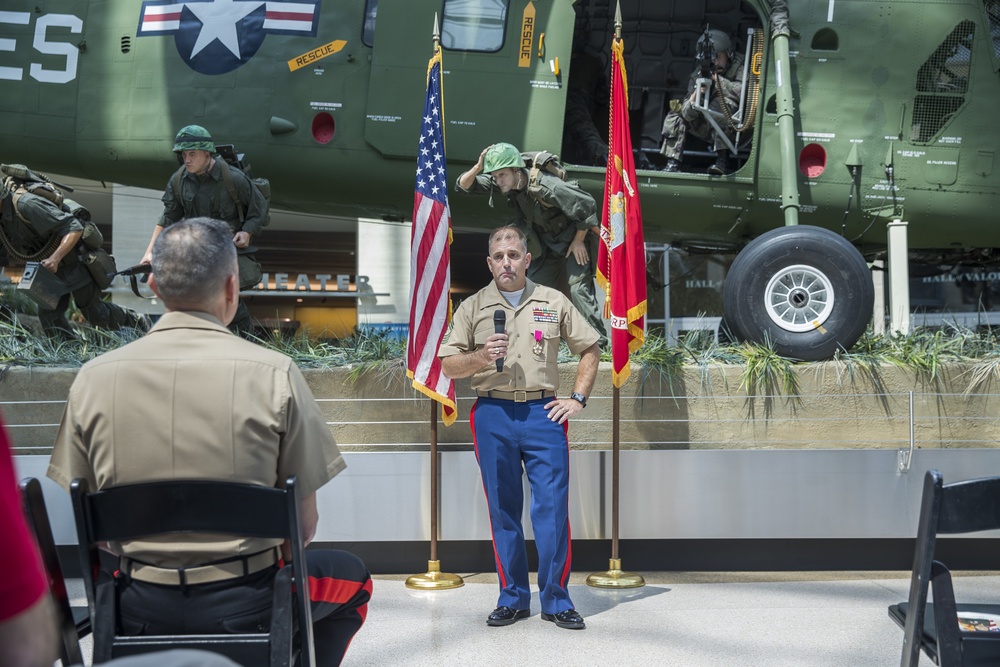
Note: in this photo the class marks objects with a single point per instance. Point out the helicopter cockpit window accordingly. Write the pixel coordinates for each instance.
(992, 8)
(473, 25)
(942, 83)
(368, 32)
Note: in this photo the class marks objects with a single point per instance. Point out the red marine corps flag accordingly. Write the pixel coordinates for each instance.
(621, 272)
(430, 256)
(621, 261)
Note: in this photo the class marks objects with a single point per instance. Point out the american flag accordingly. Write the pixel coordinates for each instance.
(430, 256)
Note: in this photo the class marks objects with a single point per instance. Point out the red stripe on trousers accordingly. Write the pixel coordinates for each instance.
(567, 566)
(475, 446)
(338, 591)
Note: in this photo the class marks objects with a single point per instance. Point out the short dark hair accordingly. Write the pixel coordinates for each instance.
(506, 232)
(192, 259)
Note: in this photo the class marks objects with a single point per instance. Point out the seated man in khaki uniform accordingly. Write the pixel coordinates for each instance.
(192, 401)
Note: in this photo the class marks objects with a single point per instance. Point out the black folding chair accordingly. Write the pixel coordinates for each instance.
(962, 507)
(196, 506)
(74, 622)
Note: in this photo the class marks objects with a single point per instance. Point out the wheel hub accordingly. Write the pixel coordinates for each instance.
(799, 298)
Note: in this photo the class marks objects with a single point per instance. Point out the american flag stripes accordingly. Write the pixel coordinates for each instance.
(430, 256)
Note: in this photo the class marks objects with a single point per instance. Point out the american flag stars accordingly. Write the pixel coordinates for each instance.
(431, 173)
(430, 255)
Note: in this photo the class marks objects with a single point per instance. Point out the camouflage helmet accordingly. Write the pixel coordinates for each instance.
(720, 41)
(501, 156)
(193, 138)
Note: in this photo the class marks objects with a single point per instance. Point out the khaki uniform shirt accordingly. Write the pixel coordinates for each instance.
(192, 401)
(532, 358)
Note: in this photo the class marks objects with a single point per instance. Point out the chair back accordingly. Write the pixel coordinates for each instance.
(70, 629)
(971, 506)
(947, 509)
(134, 511)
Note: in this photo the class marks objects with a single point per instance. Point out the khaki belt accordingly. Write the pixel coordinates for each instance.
(200, 574)
(516, 396)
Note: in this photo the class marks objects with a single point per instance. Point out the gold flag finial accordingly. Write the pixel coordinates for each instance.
(618, 20)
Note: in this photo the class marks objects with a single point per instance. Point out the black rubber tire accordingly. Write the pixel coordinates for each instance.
(827, 265)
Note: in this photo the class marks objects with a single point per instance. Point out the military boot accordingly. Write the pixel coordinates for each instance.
(673, 166)
(721, 166)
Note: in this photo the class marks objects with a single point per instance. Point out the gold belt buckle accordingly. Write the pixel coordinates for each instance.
(520, 396)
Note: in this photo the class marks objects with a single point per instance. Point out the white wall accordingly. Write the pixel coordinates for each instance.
(384, 256)
(135, 212)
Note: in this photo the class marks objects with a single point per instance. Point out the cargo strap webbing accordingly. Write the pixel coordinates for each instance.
(227, 179)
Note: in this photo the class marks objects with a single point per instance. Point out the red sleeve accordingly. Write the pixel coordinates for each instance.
(23, 581)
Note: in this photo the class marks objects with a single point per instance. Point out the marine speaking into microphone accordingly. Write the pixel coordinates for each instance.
(518, 417)
(499, 324)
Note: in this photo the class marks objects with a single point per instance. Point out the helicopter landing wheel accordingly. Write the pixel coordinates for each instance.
(803, 290)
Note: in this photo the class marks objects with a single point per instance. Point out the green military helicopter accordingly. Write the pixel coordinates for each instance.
(851, 115)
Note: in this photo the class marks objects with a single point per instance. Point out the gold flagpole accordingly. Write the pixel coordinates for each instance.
(434, 578)
(614, 577)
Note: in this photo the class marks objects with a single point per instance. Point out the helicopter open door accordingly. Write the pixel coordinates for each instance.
(506, 65)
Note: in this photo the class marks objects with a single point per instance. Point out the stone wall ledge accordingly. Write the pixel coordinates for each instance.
(695, 409)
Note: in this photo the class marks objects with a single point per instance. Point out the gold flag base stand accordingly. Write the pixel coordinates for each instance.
(615, 578)
(434, 579)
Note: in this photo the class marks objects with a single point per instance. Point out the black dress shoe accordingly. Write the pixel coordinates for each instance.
(568, 618)
(506, 616)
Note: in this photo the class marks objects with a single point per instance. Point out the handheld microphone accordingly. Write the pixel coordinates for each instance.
(499, 324)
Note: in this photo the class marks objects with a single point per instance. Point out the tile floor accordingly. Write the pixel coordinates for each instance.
(683, 619)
